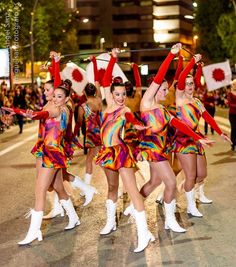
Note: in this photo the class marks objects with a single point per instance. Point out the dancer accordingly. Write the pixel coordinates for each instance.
(90, 112)
(116, 159)
(75, 181)
(169, 103)
(189, 152)
(52, 160)
(68, 141)
(153, 146)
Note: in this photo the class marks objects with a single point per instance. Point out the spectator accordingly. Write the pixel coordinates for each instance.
(231, 102)
(209, 104)
(19, 102)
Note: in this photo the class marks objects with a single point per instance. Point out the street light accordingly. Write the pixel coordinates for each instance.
(32, 43)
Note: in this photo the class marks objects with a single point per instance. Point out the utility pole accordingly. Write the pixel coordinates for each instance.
(32, 43)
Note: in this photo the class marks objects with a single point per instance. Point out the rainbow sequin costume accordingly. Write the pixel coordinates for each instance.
(70, 142)
(49, 144)
(190, 114)
(153, 146)
(114, 153)
(92, 122)
(37, 150)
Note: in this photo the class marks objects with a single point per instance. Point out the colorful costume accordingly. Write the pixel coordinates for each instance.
(114, 153)
(153, 146)
(37, 150)
(53, 154)
(190, 114)
(92, 123)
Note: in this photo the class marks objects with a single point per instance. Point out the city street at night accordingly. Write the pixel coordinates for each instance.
(209, 241)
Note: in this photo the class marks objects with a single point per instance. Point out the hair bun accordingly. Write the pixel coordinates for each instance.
(117, 79)
(66, 85)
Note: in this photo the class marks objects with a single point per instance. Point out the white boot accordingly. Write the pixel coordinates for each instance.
(129, 211)
(144, 236)
(170, 222)
(34, 231)
(55, 205)
(87, 178)
(200, 195)
(88, 190)
(192, 209)
(70, 211)
(111, 218)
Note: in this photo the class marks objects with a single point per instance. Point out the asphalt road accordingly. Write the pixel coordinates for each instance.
(209, 241)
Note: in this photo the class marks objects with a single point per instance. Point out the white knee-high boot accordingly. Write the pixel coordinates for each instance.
(34, 231)
(200, 195)
(87, 178)
(144, 235)
(170, 220)
(70, 211)
(191, 208)
(111, 218)
(129, 211)
(88, 190)
(55, 205)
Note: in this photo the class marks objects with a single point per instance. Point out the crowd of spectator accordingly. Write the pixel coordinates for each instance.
(21, 96)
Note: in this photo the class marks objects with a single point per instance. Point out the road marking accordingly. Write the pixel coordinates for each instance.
(10, 148)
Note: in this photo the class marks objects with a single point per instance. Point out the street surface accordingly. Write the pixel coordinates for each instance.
(209, 241)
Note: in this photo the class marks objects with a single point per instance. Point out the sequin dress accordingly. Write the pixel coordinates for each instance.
(37, 149)
(153, 146)
(114, 153)
(92, 123)
(189, 114)
(53, 153)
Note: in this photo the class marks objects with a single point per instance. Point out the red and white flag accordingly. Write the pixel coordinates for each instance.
(217, 75)
(102, 63)
(77, 76)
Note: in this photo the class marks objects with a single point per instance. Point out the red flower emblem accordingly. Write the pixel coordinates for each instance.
(218, 75)
(76, 75)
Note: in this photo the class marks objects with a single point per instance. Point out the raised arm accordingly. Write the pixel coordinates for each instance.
(183, 75)
(96, 77)
(137, 78)
(158, 79)
(108, 76)
(198, 75)
(179, 68)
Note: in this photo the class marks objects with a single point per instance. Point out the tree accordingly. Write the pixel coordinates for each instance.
(207, 15)
(227, 31)
(51, 21)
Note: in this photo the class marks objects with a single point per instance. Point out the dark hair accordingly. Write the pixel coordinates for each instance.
(90, 89)
(66, 86)
(117, 79)
(129, 88)
(113, 85)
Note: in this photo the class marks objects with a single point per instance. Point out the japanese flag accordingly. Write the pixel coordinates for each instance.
(77, 76)
(217, 75)
(102, 62)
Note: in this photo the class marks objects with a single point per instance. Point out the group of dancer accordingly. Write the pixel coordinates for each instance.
(158, 134)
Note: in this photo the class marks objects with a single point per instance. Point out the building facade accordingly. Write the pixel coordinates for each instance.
(135, 25)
